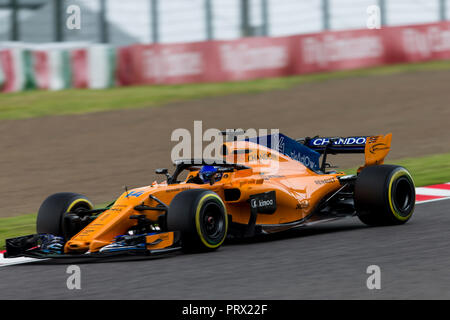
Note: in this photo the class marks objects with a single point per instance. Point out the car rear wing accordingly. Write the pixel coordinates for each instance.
(375, 148)
(334, 145)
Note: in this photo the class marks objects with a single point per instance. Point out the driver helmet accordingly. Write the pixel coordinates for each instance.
(206, 173)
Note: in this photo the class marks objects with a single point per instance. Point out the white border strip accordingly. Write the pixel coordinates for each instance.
(13, 261)
(442, 194)
(432, 200)
(424, 191)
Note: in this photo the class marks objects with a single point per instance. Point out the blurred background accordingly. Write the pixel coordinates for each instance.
(166, 21)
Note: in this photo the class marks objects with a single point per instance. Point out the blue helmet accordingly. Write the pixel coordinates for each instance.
(206, 172)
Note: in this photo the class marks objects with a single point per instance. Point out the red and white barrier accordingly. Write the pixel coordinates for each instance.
(252, 58)
(433, 193)
(81, 65)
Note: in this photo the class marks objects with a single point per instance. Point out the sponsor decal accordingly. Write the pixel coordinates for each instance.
(271, 176)
(176, 190)
(331, 48)
(264, 202)
(171, 62)
(117, 207)
(239, 58)
(377, 147)
(325, 181)
(255, 203)
(350, 141)
(135, 194)
(303, 204)
(298, 152)
(426, 43)
(103, 217)
(261, 156)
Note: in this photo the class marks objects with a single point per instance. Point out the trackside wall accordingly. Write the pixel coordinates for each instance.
(82, 65)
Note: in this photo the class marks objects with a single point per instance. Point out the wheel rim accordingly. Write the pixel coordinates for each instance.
(80, 209)
(213, 222)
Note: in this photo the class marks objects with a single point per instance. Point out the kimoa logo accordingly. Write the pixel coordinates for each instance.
(261, 203)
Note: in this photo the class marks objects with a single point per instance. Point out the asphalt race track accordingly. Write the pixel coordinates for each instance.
(321, 262)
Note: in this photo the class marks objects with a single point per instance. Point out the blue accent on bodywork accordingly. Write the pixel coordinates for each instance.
(51, 243)
(134, 194)
(291, 148)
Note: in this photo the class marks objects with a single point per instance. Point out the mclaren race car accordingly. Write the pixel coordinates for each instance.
(255, 189)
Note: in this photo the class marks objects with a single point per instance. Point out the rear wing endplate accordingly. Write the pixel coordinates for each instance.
(375, 148)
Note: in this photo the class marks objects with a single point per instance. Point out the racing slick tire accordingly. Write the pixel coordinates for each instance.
(384, 195)
(50, 218)
(201, 218)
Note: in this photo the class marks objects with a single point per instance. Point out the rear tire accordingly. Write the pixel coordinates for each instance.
(201, 218)
(384, 195)
(51, 213)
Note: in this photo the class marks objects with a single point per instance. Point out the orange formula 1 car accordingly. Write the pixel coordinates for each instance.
(256, 189)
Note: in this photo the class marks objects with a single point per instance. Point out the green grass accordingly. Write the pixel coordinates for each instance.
(31, 104)
(427, 170)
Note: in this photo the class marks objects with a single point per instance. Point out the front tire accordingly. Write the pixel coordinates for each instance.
(201, 218)
(51, 214)
(384, 195)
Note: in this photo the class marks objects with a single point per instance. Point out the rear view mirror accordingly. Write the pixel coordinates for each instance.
(162, 171)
